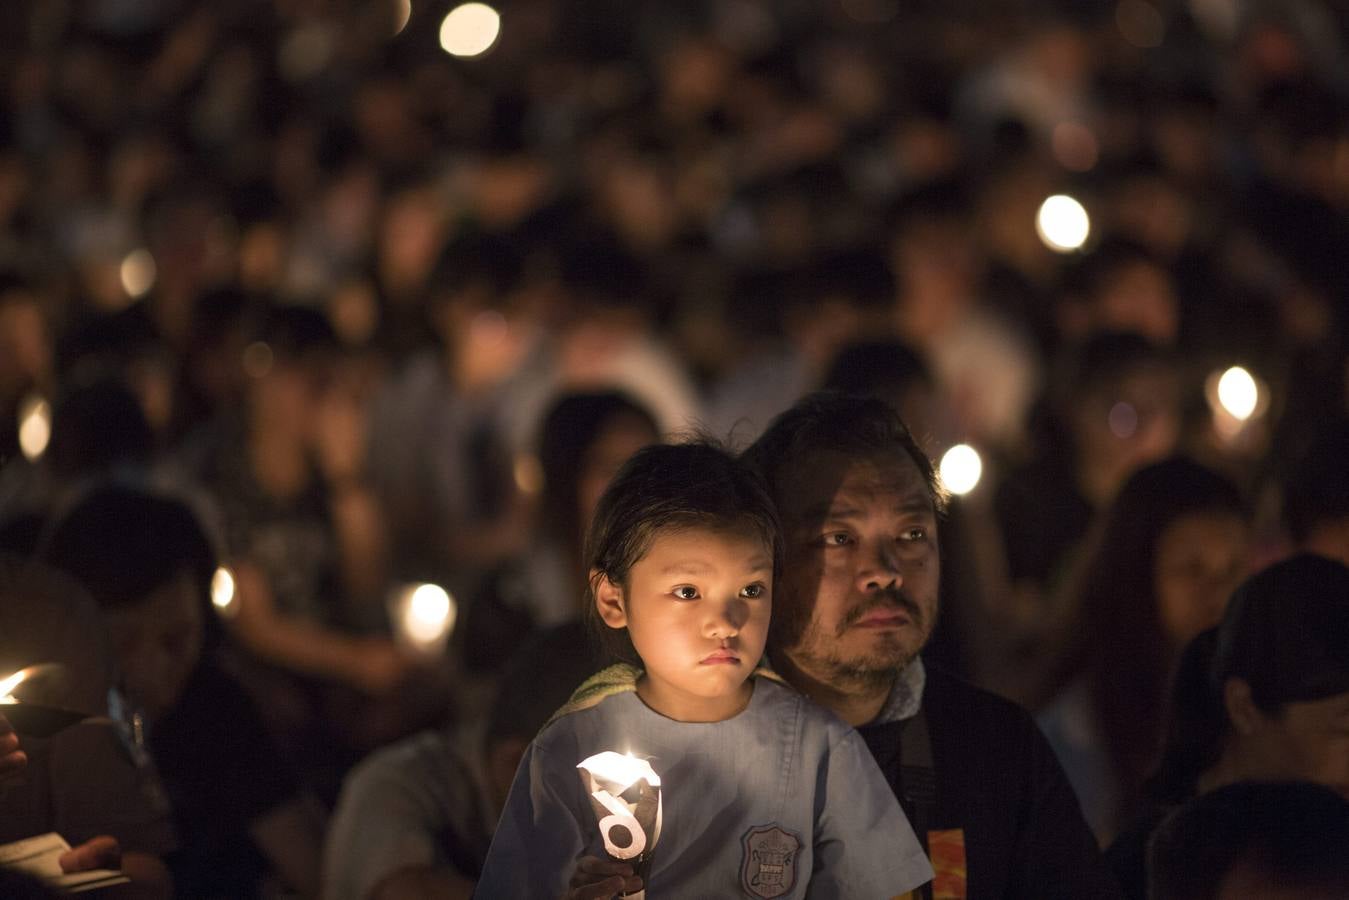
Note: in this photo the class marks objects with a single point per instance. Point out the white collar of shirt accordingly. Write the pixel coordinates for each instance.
(906, 694)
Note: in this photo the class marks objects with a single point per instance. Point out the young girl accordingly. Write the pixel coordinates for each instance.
(763, 793)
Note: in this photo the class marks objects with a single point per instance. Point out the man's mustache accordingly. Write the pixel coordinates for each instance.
(886, 598)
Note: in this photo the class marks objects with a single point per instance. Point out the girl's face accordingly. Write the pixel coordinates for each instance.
(697, 607)
(1201, 558)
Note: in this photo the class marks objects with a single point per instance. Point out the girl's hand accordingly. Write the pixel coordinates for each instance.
(599, 879)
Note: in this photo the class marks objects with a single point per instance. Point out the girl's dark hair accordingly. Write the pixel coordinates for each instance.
(1195, 724)
(1125, 653)
(670, 487)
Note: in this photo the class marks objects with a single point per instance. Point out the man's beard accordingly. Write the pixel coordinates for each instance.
(818, 653)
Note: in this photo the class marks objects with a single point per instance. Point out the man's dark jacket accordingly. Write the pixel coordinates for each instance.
(998, 781)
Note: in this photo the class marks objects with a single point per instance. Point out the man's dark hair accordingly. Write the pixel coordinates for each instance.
(851, 425)
(664, 488)
(1293, 834)
(121, 543)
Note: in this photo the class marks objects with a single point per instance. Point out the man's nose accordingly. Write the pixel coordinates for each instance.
(879, 567)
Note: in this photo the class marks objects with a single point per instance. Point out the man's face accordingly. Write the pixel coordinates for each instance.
(859, 589)
(158, 641)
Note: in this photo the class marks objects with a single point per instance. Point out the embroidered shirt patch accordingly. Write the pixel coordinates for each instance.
(768, 861)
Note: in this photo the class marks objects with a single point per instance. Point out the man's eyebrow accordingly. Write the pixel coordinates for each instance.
(912, 504)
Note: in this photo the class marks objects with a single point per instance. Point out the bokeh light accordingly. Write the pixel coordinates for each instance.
(223, 593)
(35, 426)
(1123, 420)
(138, 273)
(470, 30)
(528, 471)
(961, 468)
(423, 615)
(1062, 223)
(1238, 393)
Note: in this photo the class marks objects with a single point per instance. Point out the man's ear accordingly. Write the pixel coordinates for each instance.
(609, 601)
(1242, 712)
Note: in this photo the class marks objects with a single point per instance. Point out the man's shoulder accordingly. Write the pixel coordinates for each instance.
(949, 698)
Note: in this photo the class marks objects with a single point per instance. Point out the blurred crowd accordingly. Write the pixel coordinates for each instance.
(327, 341)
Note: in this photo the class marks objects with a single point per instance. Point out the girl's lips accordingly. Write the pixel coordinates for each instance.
(719, 657)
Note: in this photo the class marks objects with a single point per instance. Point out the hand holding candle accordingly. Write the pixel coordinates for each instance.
(625, 794)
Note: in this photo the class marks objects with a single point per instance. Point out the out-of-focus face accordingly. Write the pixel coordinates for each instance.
(858, 595)
(1307, 741)
(157, 642)
(1129, 424)
(1142, 299)
(618, 440)
(1200, 560)
(697, 607)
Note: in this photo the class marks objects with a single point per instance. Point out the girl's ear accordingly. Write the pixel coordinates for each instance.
(609, 601)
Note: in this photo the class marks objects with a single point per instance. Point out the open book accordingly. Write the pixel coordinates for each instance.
(38, 856)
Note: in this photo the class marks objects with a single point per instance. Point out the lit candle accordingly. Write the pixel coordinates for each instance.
(625, 794)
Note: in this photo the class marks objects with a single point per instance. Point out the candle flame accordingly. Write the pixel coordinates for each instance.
(13, 680)
(622, 769)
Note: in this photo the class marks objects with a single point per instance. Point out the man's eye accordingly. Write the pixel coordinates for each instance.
(836, 539)
(752, 591)
(686, 592)
(915, 534)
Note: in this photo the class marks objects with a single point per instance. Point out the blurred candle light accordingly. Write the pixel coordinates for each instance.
(470, 30)
(528, 473)
(138, 273)
(423, 616)
(961, 468)
(1236, 399)
(1062, 223)
(1122, 420)
(35, 426)
(223, 593)
(1238, 393)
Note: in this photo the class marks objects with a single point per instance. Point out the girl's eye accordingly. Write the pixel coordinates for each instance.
(752, 591)
(686, 592)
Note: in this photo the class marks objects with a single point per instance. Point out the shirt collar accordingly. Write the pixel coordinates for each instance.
(906, 694)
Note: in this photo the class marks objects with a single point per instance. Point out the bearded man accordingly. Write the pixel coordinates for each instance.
(860, 506)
